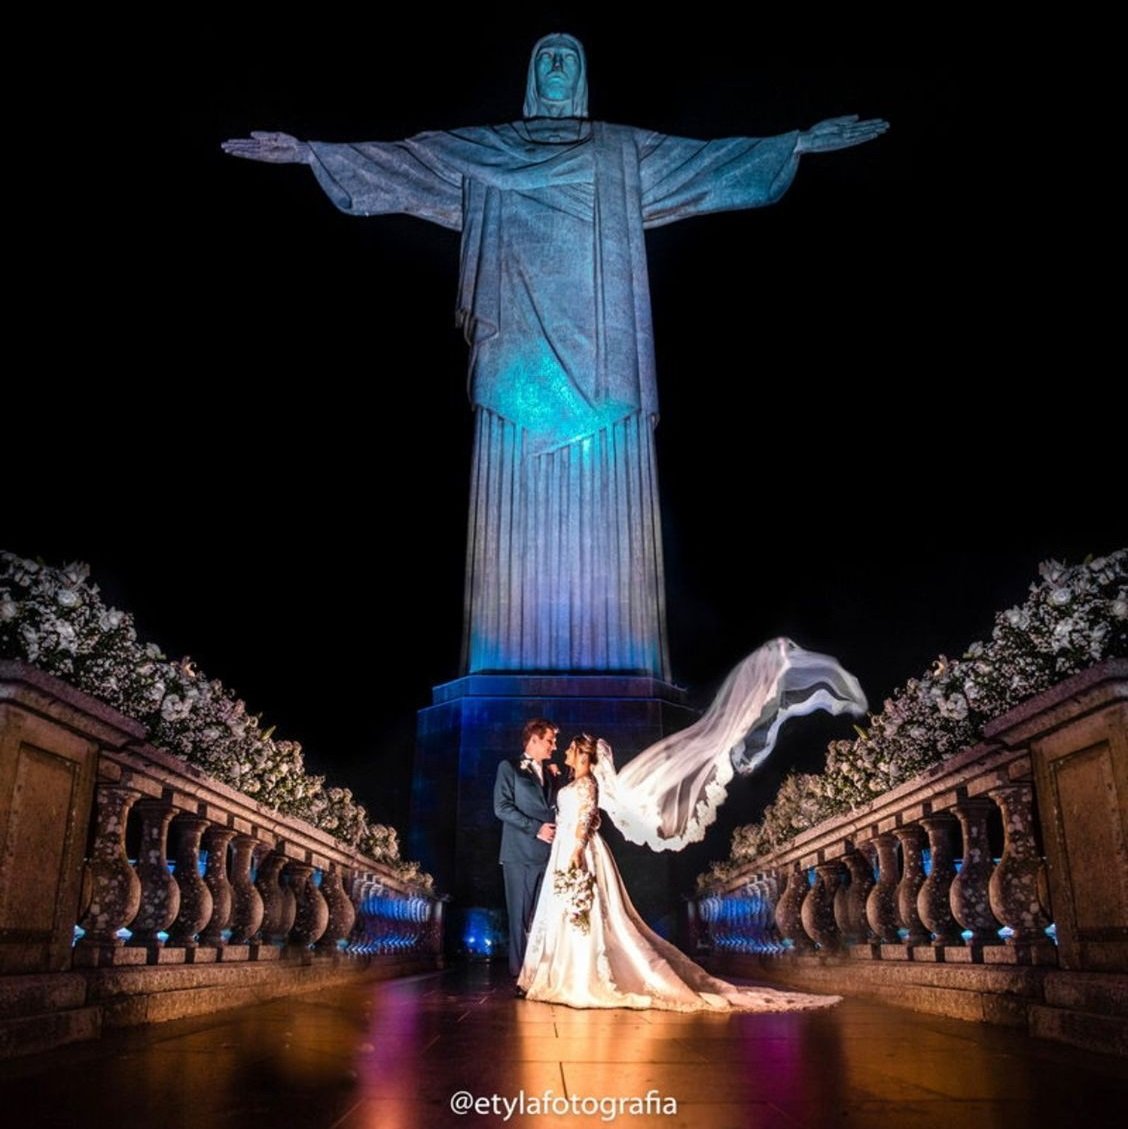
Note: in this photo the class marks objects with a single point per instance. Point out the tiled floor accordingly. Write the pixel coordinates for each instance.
(394, 1054)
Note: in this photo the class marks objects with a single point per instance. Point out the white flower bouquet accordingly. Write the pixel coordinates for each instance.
(577, 888)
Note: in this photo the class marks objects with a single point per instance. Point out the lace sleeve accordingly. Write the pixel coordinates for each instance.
(587, 816)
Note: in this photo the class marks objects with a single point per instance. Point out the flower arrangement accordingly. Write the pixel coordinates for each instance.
(55, 619)
(1074, 617)
(577, 887)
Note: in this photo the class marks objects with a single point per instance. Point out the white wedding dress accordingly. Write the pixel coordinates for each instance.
(619, 961)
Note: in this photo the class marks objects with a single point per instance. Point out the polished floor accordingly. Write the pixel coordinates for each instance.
(399, 1054)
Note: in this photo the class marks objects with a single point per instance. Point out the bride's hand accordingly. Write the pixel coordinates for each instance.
(576, 862)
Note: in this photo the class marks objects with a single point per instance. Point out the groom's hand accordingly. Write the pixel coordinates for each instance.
(546, 832)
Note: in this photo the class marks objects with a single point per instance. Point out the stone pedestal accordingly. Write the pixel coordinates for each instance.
(1080, 761)
(474, 723)
(50, 737)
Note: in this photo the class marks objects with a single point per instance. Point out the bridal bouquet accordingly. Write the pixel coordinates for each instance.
(577, 888)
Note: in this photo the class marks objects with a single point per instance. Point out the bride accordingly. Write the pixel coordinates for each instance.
(588, 946)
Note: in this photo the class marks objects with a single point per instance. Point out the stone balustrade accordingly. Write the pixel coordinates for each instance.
(1011, 855)
(241, 877)
(159, 865)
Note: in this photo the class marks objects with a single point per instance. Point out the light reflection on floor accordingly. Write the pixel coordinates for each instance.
(392, 1054)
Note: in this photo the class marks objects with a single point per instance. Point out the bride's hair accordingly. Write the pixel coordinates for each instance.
(586, 744)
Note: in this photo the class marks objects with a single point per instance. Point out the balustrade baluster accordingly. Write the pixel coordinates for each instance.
(934, 899)
(789, 912)
(969, 897)
(278, 902)
(311, 912)
(850, 900)
(112, 887)
(818, 906)
(246, 901)
(342, 913)
(881, 904)
(215, 843)
(195, 897)
(160, 895)
(1017, 886)
(912, 841)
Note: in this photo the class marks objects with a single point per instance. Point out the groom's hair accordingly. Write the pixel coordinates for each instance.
(537, 727)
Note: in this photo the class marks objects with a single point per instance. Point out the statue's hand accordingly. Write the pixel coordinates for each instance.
(840, 133)
(277, 148)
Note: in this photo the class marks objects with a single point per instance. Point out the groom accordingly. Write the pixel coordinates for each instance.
(524, 793)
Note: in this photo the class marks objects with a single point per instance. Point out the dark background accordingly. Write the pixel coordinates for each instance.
(250, 416)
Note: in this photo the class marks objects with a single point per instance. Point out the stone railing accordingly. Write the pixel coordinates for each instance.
(1013, 854)
(157, 864)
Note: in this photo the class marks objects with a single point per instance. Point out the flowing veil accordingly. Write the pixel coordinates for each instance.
(668, 795)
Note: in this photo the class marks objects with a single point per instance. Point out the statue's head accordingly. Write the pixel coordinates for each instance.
(557, 84)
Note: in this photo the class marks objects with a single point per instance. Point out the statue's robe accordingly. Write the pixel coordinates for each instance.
(564, 558)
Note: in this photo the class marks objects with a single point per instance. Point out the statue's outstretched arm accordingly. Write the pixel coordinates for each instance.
(276, 148)
(839, 133)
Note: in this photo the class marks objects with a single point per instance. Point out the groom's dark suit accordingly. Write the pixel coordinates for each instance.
(523, 805)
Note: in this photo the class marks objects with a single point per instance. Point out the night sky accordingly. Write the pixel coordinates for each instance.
(271, 468)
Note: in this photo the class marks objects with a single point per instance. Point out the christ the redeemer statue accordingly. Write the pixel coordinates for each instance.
(564, 556)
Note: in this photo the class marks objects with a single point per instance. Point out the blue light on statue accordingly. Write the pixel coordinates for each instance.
(536, 392)
(477, 935)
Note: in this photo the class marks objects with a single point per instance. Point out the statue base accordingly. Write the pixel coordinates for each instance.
(474, 723)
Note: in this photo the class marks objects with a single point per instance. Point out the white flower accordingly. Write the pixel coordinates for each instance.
(31, 643)
(76, 572)
(68, 640)
(1061, 635)
(68, 598)
(175, 708)
(110, 620)
(954, 707)
(1018, 618)
(1120, 608)
(1060, 596)
(8, 609)
(1051, 571)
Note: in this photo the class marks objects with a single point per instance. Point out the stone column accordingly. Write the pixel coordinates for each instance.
(160, 896)
(850, 900)
(114, 888)
(933, 901)
(246, 901)
(881, 904)
(818, 906)
(195, 897)
(342, 913)
(1017, 882)
(970, 901)
(311, 912)
(912, 841)
(789, 911)
(278, 903)
(215, 843)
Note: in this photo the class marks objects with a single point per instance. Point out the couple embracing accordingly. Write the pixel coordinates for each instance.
(575, 938)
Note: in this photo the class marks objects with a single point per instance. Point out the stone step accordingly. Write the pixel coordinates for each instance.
(34, 994)
(1107, 1034)
(1103, 993)
(30, 1034)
